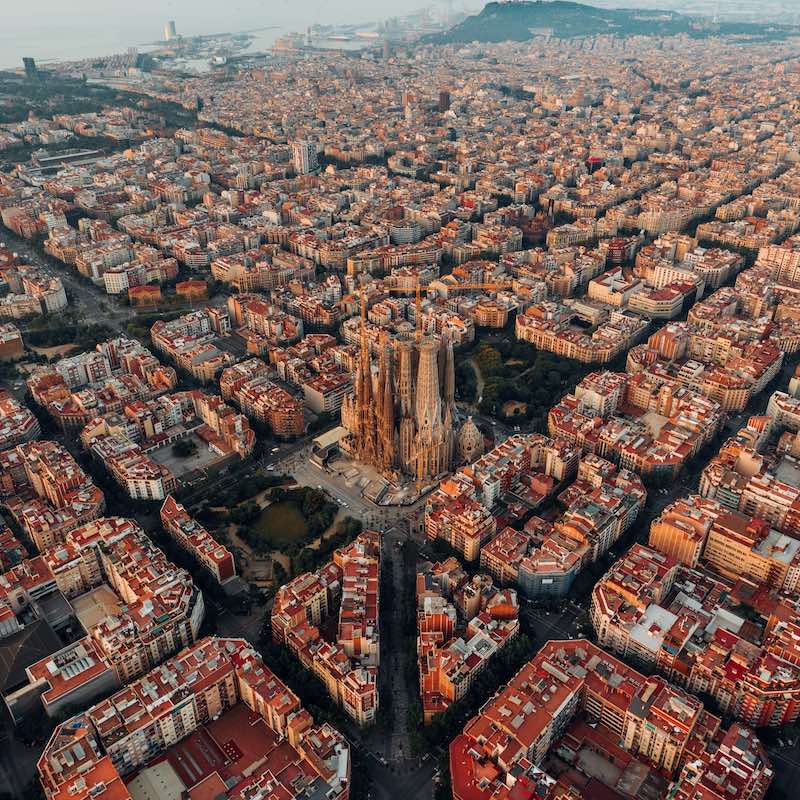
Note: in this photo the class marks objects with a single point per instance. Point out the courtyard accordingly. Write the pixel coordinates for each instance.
(188, 468)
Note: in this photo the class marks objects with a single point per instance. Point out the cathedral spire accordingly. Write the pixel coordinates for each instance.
(428, 400)
(396, 422)
(384, 408)
(387, 413)
(442, 359)
(450, 376)
(405, 380)
(367, 449)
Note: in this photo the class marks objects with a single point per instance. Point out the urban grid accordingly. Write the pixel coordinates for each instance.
(405, 410)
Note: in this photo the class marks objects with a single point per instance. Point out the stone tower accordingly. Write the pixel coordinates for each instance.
(470, 443)
(433, 442)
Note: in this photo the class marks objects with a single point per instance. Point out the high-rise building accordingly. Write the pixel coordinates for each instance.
(304, 157)
(31, 70)
(170, 31)
(444, 101)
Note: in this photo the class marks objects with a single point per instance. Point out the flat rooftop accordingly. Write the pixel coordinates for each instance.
(158, 782)
(95, 606)
(331, 437)
(788, 471)
(214, 759)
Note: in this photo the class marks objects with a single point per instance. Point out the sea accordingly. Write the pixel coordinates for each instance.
(66, 30)
(66, 43)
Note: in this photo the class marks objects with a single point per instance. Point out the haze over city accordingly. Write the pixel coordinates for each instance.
(61, 31)
(93, 27)
(400, 401)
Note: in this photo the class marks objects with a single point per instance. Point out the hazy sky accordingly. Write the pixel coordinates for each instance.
(199, 13)
(71, 29)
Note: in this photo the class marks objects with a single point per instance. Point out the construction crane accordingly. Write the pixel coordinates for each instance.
(417, 290)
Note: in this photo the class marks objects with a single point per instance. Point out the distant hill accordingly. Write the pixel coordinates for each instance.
(519, 21)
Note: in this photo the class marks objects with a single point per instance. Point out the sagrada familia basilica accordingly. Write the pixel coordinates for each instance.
(403, 420)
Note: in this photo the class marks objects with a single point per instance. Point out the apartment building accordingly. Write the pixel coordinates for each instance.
(741, 546)
(46, 492)
(325, 393)
(128, 443)
(348, 666)
(695, 627)
(574, 680)
(17, 423)
(219, 689)
(249, 384)
(593, 418)
(188, 341)
(76, 389)
(461, 624)
(682, 528)
(580, 331)
(215, 558)
(785, 410)
(545, 557)
(459, 520)
(33, 291)
(745, 477)
(724, 370)
(135, 607)
(11, 344)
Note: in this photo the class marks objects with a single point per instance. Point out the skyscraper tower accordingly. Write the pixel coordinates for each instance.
(304, 157)
(170, 32)
(31, 71)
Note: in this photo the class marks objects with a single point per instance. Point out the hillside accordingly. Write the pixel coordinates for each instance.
(518, 21)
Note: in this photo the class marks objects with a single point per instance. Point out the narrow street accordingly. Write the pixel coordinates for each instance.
(479, 381)
(17, 762)
(393, 654)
